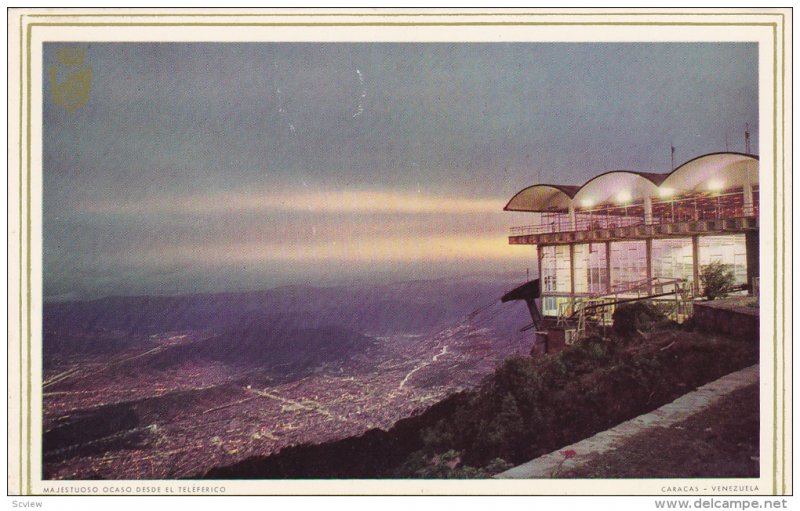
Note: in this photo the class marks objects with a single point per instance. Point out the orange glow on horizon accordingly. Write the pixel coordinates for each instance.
(335, 201)
(363, 250)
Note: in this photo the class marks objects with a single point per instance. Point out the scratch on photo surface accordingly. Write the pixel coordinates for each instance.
(363, 94)
(282, 111)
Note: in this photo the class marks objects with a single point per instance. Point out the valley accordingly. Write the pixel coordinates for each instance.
(126, 400)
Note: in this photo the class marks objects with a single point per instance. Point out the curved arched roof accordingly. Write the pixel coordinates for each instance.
(542, 198)
(606, 187)
(728, 169)
(711, 171)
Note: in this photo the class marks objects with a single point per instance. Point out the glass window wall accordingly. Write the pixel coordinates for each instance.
(555, 277)
(628, 264)
(730, 250)
(590, 268)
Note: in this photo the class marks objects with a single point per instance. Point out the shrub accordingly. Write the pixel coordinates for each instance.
(641, 316)
(717, 280)
(447, 465)
(504, 429)
(437, 436)
(496, 466)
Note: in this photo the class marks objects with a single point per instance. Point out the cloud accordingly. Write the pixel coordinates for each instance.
(331, 202)
(418, 249)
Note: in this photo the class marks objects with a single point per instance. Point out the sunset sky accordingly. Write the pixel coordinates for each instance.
(216, 167)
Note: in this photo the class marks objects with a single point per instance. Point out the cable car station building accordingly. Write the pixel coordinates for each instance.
(627, 233)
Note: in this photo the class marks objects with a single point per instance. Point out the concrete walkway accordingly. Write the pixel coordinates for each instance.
(580, 453)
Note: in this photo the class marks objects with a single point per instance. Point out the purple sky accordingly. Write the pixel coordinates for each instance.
(211, 167)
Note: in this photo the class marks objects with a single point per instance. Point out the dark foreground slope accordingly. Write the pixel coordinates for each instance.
(526, 408)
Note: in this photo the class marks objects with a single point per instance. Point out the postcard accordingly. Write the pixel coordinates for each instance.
(400, 252)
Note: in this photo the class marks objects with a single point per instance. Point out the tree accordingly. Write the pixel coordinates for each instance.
(717, 280)
(501, 435)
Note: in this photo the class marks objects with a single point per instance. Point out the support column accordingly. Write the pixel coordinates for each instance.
(696, 265)
(648, 211)
(751, 248)
(572, 277)
(573, 221)
(748, 200)
(572, 269)
(608, 266)
(539, 267)
(648, 243)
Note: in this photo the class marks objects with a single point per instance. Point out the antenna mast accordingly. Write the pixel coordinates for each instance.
(747, 138)
(672, 147)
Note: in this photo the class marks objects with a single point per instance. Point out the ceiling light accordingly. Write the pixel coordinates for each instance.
(624, 197)
(665, 193)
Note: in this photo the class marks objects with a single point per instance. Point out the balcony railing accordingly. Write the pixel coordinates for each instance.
(712, 207)
(729, 205)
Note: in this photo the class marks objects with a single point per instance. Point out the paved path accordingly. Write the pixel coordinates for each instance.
(424, 364)
(578, 454)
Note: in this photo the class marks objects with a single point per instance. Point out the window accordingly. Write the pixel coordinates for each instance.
(729, 250)
(628, 264)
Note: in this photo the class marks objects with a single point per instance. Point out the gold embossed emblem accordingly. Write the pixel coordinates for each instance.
(70, 78)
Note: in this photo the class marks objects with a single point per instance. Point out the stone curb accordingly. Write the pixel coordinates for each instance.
(548, 465)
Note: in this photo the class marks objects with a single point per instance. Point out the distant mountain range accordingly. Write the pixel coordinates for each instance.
(286, 325)
(407, 307)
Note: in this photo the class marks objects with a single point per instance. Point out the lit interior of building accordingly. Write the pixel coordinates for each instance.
(626, 232)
